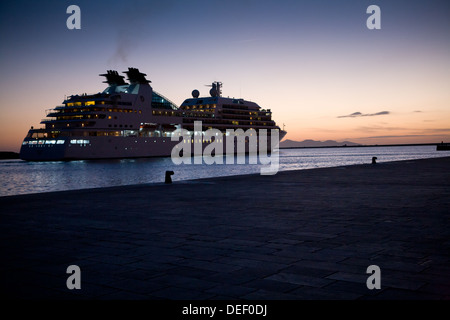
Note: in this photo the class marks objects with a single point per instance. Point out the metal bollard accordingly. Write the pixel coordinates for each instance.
(168, 176)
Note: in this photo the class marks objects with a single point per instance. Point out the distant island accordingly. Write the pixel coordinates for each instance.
(314, 144)
(8, 155)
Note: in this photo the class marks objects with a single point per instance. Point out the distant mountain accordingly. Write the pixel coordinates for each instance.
(312, 143)
(8, 155)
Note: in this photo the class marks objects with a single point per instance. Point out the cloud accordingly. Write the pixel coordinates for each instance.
(396, 136)
(359, 114)
(380, 128)
(435, 130)
(431, 132)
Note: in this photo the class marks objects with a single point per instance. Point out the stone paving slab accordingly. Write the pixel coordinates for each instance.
(298, 235)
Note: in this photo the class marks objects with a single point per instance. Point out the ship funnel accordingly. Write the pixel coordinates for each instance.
(136, 77)
(113, 78)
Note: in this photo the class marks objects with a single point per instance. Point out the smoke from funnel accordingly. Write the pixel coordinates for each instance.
(137, 21)
(123, 49)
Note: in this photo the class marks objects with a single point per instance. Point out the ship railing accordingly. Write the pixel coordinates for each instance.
(84, 96)
(47, 111)
(47, 119)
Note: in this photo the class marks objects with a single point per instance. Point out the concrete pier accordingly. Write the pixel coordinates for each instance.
(308, 234)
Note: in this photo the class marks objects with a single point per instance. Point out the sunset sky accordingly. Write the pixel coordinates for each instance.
(315, 64)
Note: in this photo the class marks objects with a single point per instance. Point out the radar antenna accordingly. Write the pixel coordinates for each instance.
(216, 90)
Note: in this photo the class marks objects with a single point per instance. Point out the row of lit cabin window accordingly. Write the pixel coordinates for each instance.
(165, 113)
(100, 109)
(200, 107)
(233, 122)
(236, 123)
(93, 103)
(245, 113)
(83, 103)
(124, 133)
(240, 117)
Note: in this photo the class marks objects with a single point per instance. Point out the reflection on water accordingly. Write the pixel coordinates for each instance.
(20, 177)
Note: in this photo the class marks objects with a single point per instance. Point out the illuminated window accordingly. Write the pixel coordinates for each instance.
(89, 103)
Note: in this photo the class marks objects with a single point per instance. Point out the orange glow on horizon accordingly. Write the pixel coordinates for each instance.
(322, 73)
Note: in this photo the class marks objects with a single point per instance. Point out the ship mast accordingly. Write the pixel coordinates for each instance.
(216, 90)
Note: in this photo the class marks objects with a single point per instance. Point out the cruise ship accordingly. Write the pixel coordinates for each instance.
(131, 120)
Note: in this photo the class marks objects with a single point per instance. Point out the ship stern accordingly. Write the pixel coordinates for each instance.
(43, 150)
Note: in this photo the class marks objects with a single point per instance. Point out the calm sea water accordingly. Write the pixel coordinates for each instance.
(21, 177)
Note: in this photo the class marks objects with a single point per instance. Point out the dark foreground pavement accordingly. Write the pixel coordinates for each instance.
(307, 234)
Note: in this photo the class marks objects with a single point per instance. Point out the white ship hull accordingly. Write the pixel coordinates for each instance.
(113, 148)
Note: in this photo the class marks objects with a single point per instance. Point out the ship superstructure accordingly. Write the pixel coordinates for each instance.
(130, 120)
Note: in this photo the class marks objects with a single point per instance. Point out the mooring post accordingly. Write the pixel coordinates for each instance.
(168, 176)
